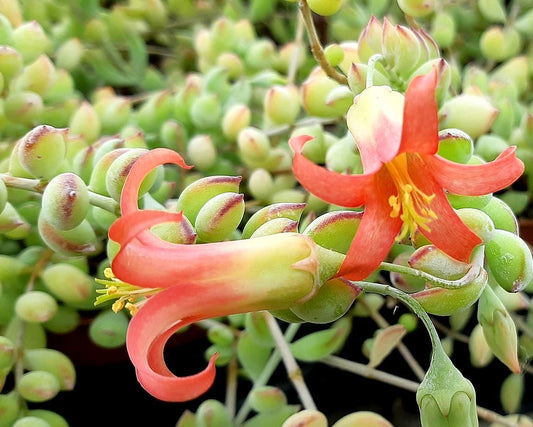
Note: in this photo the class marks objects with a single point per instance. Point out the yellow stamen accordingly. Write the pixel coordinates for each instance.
(130, 296)
(411, 204)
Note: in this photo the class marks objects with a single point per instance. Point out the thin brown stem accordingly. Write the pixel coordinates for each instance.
(316, 46)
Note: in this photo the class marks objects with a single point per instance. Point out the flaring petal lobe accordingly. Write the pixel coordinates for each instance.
(332, 187)
(476, 180)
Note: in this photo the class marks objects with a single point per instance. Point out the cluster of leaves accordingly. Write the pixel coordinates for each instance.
(86, 89)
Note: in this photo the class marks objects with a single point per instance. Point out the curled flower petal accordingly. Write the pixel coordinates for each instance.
(476, 180)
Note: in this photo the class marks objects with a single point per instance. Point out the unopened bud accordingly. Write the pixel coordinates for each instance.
(202, 152)
(267, 399)
(234, 120)
(499, 329)
(254, 145)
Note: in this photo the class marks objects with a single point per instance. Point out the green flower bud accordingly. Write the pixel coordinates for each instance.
(455, 145)
(480, 353)
(108, 329)
(471, 113)
(401, 48)
(212, 413)
(445, 397)
(76, 241)
(67, 283)
(267, 399)
(38, 386)
(307, 417)
(499, 329)
(417, 8)
(30, 40)
(85, 122)
(35, 306)
(282, 104)
(219, 217)
(331, 302)
(10, 63)
(362, 419)
(65, 201)
(512, 392)
(510, 261)
(23, 107)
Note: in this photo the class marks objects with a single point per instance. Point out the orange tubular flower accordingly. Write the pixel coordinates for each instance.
(167, 286)
(404, 184)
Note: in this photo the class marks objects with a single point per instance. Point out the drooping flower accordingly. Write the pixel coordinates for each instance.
(404, 185)
(167, 286)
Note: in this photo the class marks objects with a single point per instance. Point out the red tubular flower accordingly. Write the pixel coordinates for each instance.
(167, 285)
(404, 184)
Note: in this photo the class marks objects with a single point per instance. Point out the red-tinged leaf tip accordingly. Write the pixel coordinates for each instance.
(420, 115)
(139, 170)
